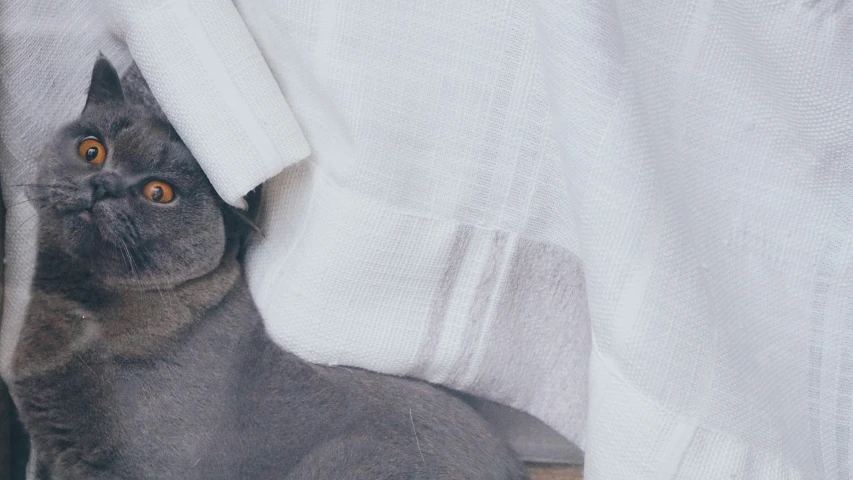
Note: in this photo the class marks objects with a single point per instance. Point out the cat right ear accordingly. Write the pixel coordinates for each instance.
(106, 84)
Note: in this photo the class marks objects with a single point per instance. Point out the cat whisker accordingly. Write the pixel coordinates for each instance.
(32, 199)
(28, 219)
(135, 273)
(417, 441)
(134, 230)
(19, 226)
(42, 185)
(251, 224)
(127, 259)
(84, 363)
(169, 279)
(123, 259)
(131, 263)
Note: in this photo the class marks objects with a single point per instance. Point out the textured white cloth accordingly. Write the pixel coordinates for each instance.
(708, 148)
(424, 236)
(480, 172)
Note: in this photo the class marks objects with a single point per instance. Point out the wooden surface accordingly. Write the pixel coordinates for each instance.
(552, 472)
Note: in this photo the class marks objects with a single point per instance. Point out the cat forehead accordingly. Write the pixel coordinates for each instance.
(138, 141)
(137, 148)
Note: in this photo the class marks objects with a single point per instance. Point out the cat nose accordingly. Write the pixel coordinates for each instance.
(106, 184)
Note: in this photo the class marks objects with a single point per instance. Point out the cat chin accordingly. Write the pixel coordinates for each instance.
(88, 232)
(78, 235)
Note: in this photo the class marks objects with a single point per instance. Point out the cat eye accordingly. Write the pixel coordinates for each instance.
(158, 192)
(93, 151)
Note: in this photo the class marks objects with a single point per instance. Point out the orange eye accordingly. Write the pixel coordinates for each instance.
(158, 192)
(92, 151)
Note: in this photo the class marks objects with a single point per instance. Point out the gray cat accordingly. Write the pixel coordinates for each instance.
(143, 356)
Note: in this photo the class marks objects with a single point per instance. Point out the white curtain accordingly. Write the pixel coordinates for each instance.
(708, 149)
(640, 207)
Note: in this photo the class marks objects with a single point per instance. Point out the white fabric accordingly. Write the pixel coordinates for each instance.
(708, 148)
(364, 261)
(480, 172)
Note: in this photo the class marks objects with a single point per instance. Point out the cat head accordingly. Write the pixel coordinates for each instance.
(120, 196)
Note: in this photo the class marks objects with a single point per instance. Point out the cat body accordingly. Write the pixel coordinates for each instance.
(143, 356)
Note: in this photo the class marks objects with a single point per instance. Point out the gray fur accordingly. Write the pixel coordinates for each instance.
(143, 356)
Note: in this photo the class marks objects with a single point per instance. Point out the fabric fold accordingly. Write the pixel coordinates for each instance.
(214, 86)
(481, 310)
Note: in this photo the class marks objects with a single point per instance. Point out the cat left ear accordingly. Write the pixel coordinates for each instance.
(106, 84)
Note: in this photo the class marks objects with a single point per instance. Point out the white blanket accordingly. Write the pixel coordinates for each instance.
(478, 173)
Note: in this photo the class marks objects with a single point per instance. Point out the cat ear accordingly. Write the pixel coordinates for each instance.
(106, 84)
(240, 224)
